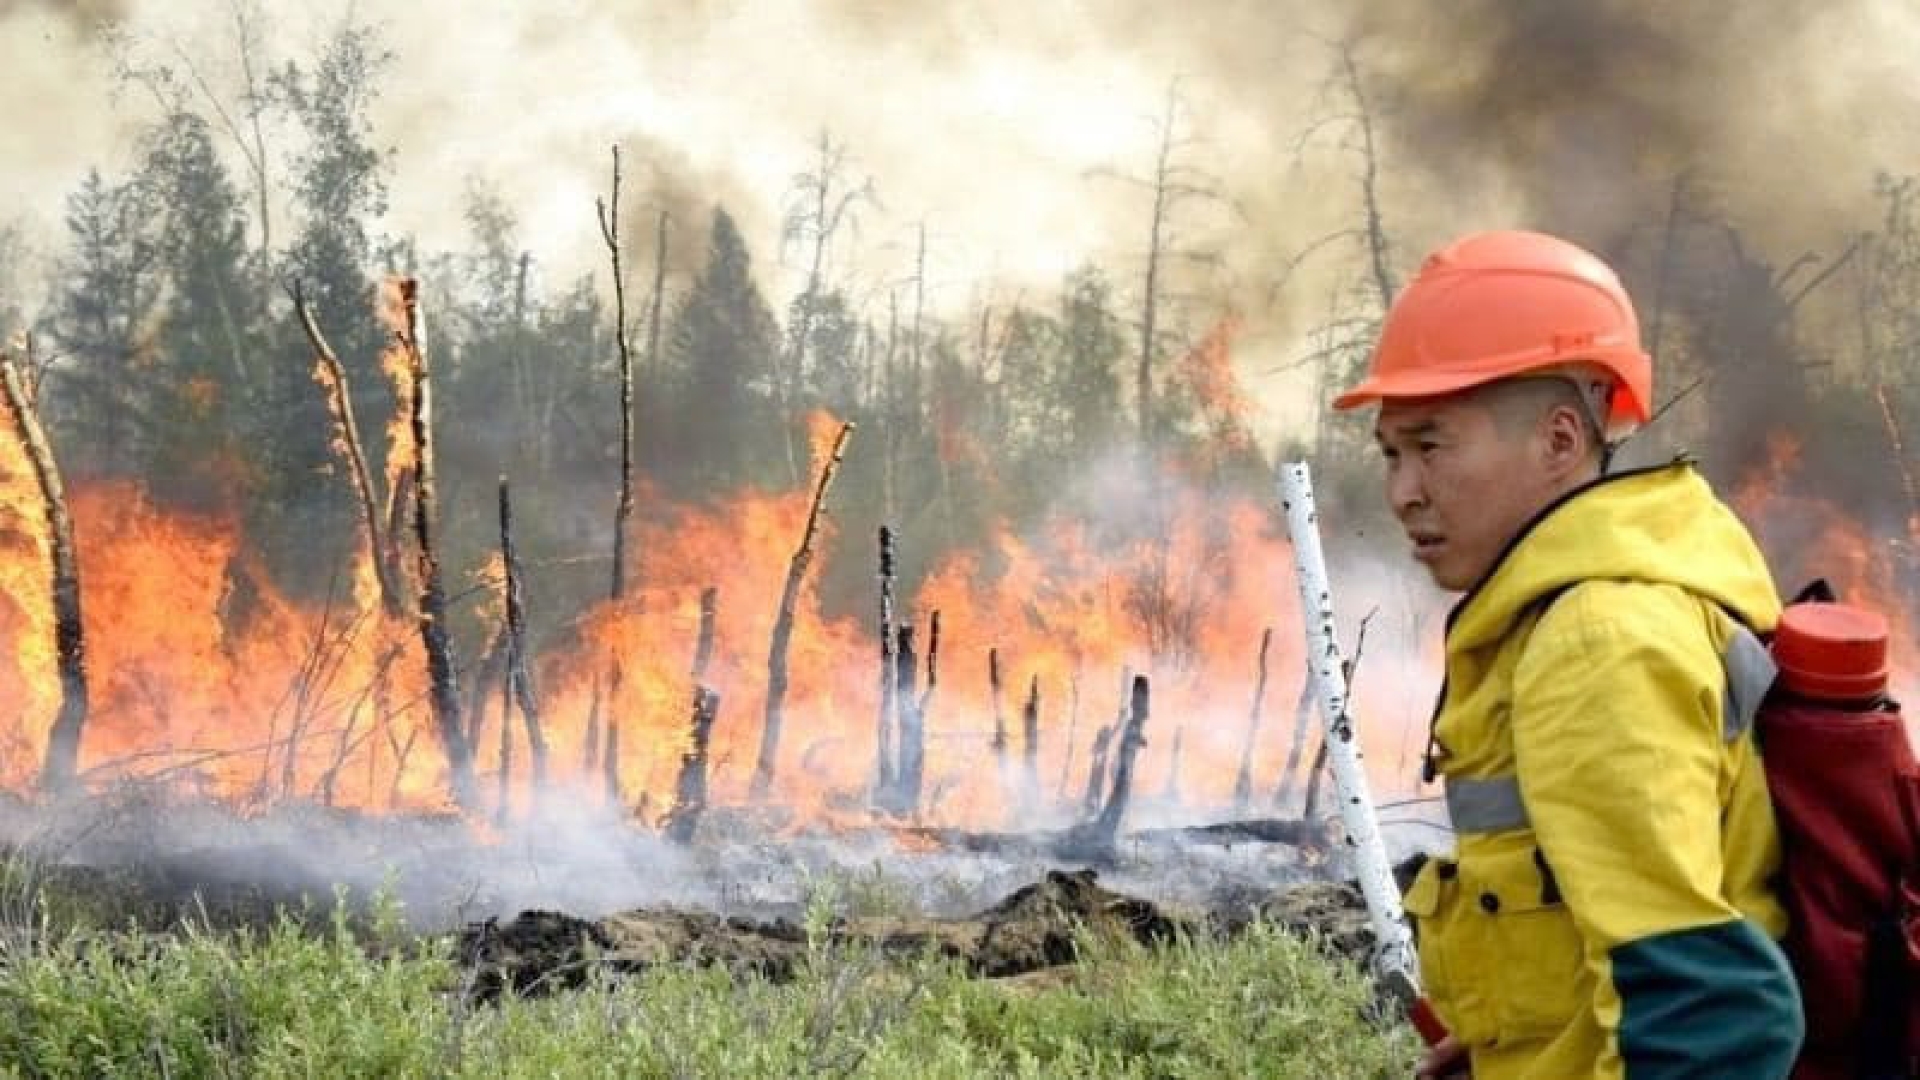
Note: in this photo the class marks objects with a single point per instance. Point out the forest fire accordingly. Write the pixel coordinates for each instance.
(203, 672)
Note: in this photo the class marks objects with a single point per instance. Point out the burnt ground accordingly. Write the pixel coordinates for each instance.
(539, 906)
(1035, 928)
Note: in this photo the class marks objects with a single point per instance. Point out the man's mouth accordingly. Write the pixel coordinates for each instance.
(1426, 544)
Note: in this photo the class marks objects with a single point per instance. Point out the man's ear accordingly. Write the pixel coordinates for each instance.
(1567, 442)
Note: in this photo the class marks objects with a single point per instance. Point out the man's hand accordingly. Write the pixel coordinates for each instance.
(1447, 1059)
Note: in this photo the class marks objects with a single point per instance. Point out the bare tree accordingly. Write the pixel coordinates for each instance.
(820, 204)
(1172, 183)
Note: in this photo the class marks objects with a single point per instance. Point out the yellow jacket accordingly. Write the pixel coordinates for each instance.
(1607, 912)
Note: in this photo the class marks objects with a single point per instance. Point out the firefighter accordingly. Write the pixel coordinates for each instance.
(1607, 910)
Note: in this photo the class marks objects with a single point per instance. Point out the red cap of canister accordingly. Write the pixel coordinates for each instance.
(1834, 652)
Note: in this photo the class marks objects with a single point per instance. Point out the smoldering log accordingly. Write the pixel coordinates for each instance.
(690, 789)
(57, 771)
(1243, 780)
(441, 670)
(1131, 740)
(769, 756)
(519, 674)
(884, 750)
(340, 403)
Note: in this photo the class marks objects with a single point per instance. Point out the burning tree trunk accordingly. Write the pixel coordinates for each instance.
(492, 670)
(332, 376)
(69, 638)
(1131, 740)
(783, 622)
(690, 792)
(519, 677)
(1243, 781)
(1302, 715)
(883, 764)
(610, 761)
(503, 803)
(590, 744)
(1319, 769)
(912, 731)
(608, 211)
(433, 600)
(703, 641)
(933, 665)
(1097, 768)
(1073, 724)
(1030, 728)
(999, 717)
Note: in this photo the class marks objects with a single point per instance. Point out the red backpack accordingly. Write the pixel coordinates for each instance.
(1846, 793)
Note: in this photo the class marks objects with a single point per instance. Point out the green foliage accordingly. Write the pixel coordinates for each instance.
(720, 350)
(288, 1002)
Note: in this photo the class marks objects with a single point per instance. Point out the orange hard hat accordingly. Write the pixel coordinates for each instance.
(1494, 305)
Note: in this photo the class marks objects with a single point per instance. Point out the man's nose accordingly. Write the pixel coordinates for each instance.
(1406, 487)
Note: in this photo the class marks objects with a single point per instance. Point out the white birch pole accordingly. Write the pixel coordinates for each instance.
(1394, 961)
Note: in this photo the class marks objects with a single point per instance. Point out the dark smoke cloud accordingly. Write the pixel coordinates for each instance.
(1589, 111)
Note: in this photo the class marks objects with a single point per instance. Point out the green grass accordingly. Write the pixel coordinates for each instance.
(359, 1000)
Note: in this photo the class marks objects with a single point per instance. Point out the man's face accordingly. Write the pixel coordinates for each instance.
(1460, 483)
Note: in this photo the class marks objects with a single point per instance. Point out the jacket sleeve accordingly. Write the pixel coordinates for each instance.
(1618, 739)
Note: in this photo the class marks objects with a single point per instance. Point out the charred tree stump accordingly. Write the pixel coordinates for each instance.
(433, 598)
(690, 790)
(912, 732)
(332, 376)
(1243, 780)
(1030, 750)
(769, 756)
(883, 768)
(1131, 740)
(59, 768)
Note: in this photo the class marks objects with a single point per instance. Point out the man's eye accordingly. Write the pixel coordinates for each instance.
(1389, 453)
(1429, 447)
